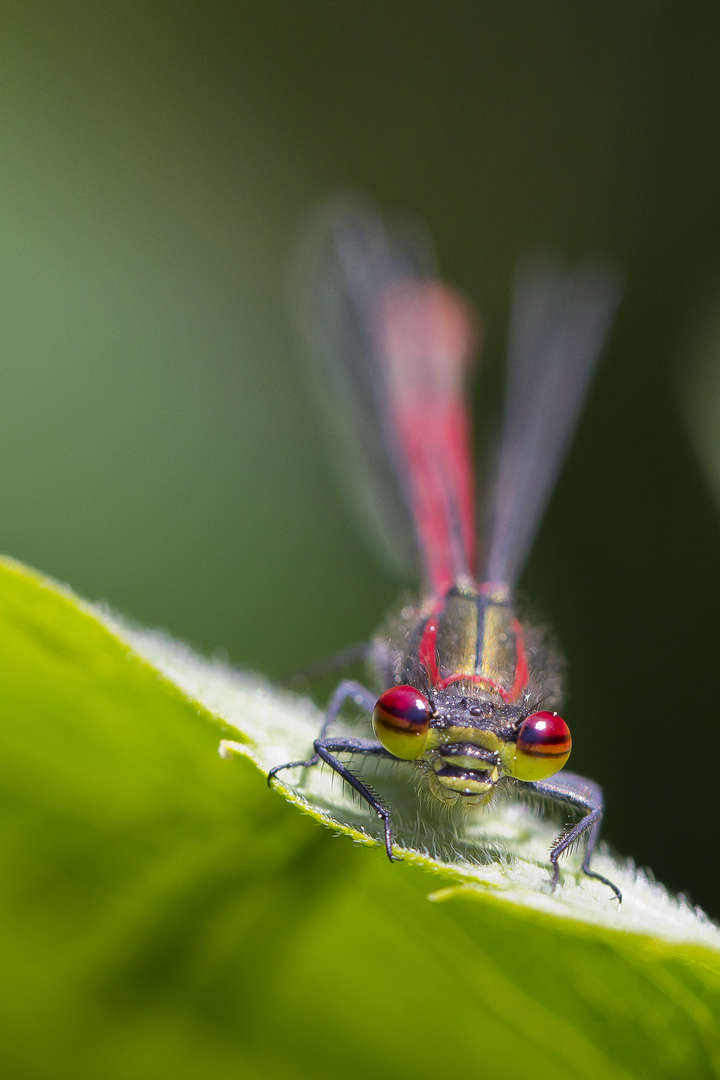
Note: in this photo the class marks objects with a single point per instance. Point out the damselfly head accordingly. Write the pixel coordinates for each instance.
(468, 743)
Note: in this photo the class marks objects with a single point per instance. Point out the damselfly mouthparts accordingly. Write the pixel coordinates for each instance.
(469, 693)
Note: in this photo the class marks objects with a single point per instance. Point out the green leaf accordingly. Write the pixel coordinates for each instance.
(164, 913)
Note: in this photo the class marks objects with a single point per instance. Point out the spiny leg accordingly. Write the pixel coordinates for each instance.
(347, 689)
(322, 747)
(584, 795)
(325, 749)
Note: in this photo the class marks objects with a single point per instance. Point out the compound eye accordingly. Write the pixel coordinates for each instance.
(543, 746)
(401, 721)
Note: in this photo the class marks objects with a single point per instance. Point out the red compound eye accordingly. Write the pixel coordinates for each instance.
(401, 720)
(543, 746)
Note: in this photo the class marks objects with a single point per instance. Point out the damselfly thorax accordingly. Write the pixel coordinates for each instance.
(471, 640)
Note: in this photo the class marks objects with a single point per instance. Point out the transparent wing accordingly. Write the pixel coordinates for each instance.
(559, 323)
(389, 348)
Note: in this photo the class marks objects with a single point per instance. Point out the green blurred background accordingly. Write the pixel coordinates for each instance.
(159, 448)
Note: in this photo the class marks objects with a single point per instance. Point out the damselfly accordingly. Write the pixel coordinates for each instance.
(469, 693)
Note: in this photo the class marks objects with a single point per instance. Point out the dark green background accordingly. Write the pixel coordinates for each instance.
(159, 449)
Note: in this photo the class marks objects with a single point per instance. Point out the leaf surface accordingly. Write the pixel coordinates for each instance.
(164, 914)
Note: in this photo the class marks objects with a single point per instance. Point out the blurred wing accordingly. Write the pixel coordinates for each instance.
(558, 327)
(390, 348)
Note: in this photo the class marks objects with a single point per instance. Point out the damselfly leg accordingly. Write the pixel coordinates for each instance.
(583, 794)
(347, 689)
(326, 750)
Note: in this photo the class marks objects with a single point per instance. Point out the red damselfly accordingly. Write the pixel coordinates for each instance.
(467, 692)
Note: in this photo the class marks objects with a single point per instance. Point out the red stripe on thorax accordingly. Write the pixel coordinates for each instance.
(522, 668)
(427, 650)
(477, 680)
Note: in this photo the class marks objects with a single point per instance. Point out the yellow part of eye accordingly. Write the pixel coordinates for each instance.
(537, 765)
(405, 744)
